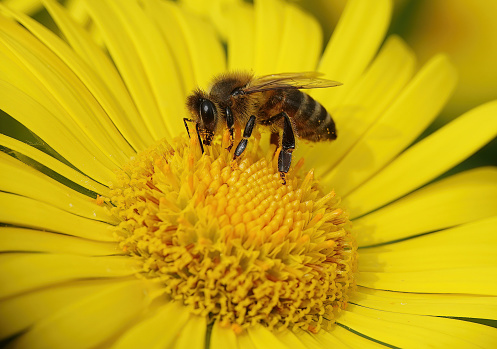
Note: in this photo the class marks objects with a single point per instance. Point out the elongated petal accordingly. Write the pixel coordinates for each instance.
(91, 321)
(192, 335)
(413, 331)
(367, 100)
(355, 41)
(158, 331)
(462, 198)
(439, 250)
(23, 311)
(262, 337)
(23, 272)
(342, 338)
(18, 178)
(241, 38)
(413, 110)
(30, 240)
(25, 212)
(23, 150)
(429, 158)
(470, 306)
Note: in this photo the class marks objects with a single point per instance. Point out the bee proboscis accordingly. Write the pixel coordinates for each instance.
(240, 100)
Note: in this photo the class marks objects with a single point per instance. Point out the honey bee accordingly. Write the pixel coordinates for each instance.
(240, 100)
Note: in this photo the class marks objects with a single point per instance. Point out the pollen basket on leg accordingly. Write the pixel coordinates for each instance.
(231, 242)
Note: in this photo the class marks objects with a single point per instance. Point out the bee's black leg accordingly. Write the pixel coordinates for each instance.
(230, 122)
(287, 147)
(247, 132)
(186, 125)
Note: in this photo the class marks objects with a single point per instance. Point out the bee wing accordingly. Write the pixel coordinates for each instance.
(305, 80)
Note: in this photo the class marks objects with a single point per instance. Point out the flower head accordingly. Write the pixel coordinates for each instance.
(122, 233)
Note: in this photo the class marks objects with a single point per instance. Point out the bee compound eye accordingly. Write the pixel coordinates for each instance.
(207, 111)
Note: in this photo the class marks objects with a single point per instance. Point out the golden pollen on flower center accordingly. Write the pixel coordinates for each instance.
(230, 241)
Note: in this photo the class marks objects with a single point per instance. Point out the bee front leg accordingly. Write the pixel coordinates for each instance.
(247, 132)
(185, 120)
(230, 122)
(287, 147)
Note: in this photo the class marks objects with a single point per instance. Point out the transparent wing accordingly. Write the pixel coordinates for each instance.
(300, 81)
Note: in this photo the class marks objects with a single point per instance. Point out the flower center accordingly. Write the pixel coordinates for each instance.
(230, 241)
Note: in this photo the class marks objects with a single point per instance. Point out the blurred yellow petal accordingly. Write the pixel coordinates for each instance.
(263, 338)
(470, 306)
(352, 46)
(22, 211)
(367, 100)
(192, 335)
(18, 178)
(23, 311)
(429, 158)
(26, 6)
(406, 118)
(30, 240)
(409, 331)
(462, 198)
(342, 338)
(53, 76)
(21, 150)
(157, 331)
(22, 272)
(223, 337)
(91, 321)
(438, 250)
(241, 38)
(291, 340)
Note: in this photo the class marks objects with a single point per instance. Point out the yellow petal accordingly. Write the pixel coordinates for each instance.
(406, 118)
(342, 338)
(36, 157)
(364, 104)
(300, 33)
(322, 338)
(462, 198)
(26, 6)
(22, 211)
(456, 280)
(111, 91)
(23, 311)
(269, 21)
(60, 86)
(192, 335)
(22, 272)
(405, 330)
(470, 306)
(222, 337)
(263, 338)
(289, 339)
(241, 38)
(429, 158)
(22, 107)
(353, 44)
(30, 240)
(126, 38)
(21, 179)
(439, 250)
(91, 321)
(159, 330)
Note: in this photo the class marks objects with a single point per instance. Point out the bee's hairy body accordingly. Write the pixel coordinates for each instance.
(239, 100)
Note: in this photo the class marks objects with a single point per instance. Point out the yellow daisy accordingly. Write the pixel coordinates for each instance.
(118, 232)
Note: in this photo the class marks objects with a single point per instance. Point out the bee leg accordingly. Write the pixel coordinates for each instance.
(247, 132)
(287, 147)
(198, 133)
(230, 122)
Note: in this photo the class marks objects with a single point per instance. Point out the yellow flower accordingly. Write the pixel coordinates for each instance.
(120, 233)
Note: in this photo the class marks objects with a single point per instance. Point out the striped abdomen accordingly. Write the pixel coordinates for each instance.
(311, 120)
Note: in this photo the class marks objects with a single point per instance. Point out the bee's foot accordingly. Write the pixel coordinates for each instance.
(282, 175)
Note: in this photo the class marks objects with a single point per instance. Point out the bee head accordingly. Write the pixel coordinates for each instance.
(204, 113)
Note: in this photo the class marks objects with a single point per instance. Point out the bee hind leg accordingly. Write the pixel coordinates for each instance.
(287, 147)
(247, 132)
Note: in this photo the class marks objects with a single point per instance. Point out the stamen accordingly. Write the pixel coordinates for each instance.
(232, 243)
